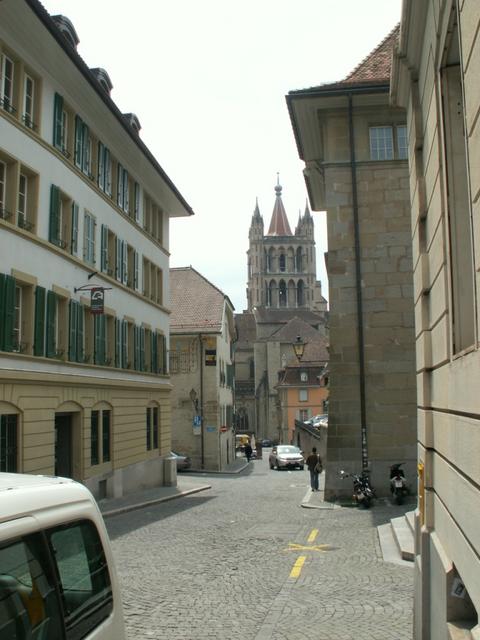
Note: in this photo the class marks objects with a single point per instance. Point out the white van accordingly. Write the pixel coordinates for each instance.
(57, 576)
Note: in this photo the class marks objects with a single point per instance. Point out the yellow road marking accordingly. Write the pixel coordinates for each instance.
(293, 546)
(297, 567)
(313, 535)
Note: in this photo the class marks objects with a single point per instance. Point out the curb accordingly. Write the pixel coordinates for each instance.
(147, 503)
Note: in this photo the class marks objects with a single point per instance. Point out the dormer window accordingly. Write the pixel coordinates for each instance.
(67, 29)
(303, 376)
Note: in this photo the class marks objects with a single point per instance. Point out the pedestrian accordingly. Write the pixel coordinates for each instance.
(314, 464)
(248, 451)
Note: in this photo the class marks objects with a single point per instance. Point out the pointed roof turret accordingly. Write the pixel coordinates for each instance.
(256, 212)
(307, 210)
(279, 223)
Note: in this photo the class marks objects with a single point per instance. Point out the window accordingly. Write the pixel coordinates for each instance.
(100, 436)
(282, 294)
(39, 324)
(6, 84)
(89, 238)
(52, 325)
(28, 101)
(100, 344)
(122, 188)
(63, 227)
(94, 457)
(60, 126)
(76, 344)
(381, 143)
(152, 428)
(303, 376)
(303, 395)
(68, 565)
(104, 169)
(388, 142)
(3, 179)
(8, 442)
(136, 202)
(83, 146)
(82, 569)
(303, 415)
(282, 262)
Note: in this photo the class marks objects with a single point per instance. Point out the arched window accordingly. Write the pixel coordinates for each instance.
(299, 260)
(300, 293)
(282, 294)
(282, 263)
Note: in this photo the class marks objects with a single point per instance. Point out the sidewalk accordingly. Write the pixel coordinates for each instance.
(186, 485)
(315, 499)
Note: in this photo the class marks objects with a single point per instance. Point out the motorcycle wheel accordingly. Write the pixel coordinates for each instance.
(399, 497)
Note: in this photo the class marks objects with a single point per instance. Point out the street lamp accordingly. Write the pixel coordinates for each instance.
(299, 347)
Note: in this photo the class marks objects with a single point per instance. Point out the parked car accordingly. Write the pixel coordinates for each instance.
(286, 456)
(319, 420)
(183, 462)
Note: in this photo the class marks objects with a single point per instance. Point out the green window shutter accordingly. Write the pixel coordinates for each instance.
(58, 121)
(155, 427)
(149, 428)
(163, 354)
(124, 262)
(39, 331)
(154, 349)
(106, 436)
(80, 333)
(135, 269)
(7, 312)
(101, 166)
(120, 186)
(85, 149)
(74, 238)
(51, 324)
(54, 228)
(104, 249)
(108, 173)
(136, 348)
(125, 191)
(118, 342)
(78, 157)
(124, 344)
(103, 338)
(94, 420)
(118, 259)
(3, 287)
(72, 330)
(99, 326)
(142, 348)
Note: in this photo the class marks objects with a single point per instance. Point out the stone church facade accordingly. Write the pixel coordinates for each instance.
(284, 300)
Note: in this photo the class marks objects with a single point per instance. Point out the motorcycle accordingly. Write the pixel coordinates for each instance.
(363, 492)
(398, 483)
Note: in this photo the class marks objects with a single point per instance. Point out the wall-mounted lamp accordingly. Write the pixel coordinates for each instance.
(299, 347)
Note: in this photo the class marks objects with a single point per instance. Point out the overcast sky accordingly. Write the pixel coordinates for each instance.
(207, 80)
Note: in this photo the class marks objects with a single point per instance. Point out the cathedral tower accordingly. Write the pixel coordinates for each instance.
(282, 265)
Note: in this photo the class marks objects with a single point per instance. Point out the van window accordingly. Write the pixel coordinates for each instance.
(29, 604)
(83, 576)
(56, 586)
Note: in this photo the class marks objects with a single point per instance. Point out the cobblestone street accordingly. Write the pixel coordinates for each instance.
(244, 561)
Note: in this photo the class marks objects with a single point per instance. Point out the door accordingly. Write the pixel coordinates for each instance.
(63, 444)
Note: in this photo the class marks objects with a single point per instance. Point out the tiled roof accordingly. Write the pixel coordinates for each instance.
(246, 330)
(197, 305)
(270, 315)
(374, 69)
(291, 376)
(316, 345)
(378, 64)
(279, 225)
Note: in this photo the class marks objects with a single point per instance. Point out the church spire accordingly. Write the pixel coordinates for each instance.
(279, 225)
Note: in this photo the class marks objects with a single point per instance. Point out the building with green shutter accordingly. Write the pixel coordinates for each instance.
(84, 268)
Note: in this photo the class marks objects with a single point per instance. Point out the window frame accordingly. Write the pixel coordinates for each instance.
(89, 224)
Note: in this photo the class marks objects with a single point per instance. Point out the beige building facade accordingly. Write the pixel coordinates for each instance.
(84, 213)
(436, 79)
(202, 334)
(353, 144)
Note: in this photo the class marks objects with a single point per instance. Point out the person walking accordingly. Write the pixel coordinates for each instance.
(248, 451)
(314, 464)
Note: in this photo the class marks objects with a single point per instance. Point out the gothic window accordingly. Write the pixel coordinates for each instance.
(300, 293)
(299, 261)
(282, 263)
(282, 294)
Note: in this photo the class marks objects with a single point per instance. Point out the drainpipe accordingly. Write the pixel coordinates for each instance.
(358, 287)
(202, 426)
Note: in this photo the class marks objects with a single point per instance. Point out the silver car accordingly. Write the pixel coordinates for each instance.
(286, 456)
